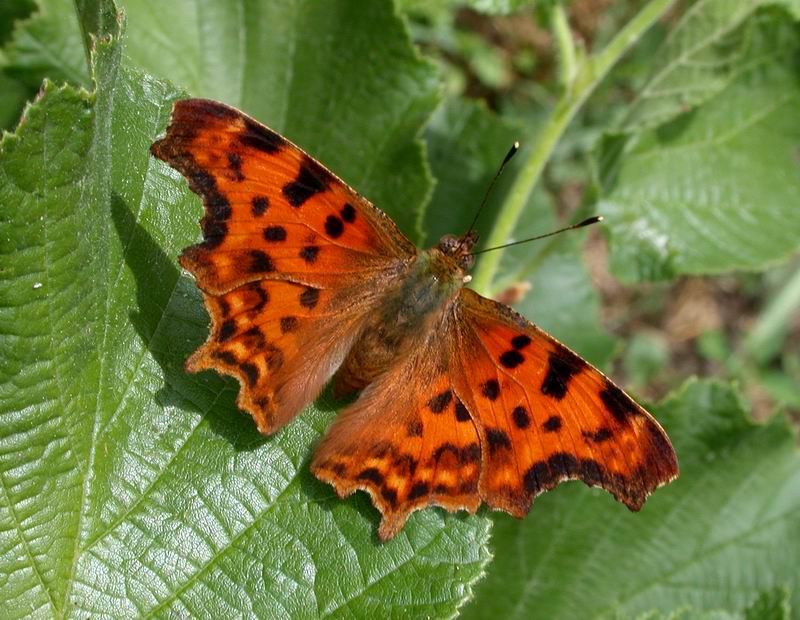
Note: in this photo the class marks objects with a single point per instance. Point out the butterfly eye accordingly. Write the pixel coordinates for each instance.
(448, 244)
(466, 261)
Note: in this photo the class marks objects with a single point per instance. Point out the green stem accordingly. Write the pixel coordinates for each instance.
(568, 67)
(763, 340)
(585, 80)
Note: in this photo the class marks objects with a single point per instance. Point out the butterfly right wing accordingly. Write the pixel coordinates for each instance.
(544, 415)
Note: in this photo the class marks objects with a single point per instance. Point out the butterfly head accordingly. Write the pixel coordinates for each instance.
(459, 249)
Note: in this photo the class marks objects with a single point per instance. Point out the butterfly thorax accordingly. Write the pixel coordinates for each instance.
(410, 312)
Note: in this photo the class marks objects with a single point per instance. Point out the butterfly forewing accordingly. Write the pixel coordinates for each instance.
(545, 415)
(271, 211)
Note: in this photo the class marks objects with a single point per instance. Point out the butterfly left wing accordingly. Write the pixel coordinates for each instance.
(544, 415)
(292, 259)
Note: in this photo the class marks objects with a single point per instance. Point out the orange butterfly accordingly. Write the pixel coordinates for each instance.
(461, 401)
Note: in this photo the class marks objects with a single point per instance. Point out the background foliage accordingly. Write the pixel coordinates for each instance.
(129, 488)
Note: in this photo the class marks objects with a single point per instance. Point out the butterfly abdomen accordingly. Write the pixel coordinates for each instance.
(417, 305)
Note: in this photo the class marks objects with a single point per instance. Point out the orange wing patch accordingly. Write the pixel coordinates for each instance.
(271, 210)
(408, 441)
(276, 338)
(544, 415)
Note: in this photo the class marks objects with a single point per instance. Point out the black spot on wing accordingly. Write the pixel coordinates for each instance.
(490, 389)
(275, 234)
(420, 489)
(214, 232)
(414, 428)
(288, 324)
(563, 464)
(521, 417)
(498, 439)
(263, 297)
(309, 253)
(259, 205)
(439, 403)
(226, 330)
(444, 449)
(600, 435)
(520, 342)
(311, 179)
(511, 358)
(462, 414)
(260, 262)
(390, 495)
(309, 297)
(227, 357)
(563, 364)
(259, 137)
(618, 403)
(348, 213)
(251, 372)
(371, 474)
(235, 165)
(334, 227)
(255, 337)
(552, 424)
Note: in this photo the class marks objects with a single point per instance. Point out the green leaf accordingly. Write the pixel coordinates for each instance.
(499, 7)
(715, 539)
(47, 45)
(10, 12)
(703, 52)
(339, 78)
(491, 7)
(717, 188)
(12, 97)
(130, 488)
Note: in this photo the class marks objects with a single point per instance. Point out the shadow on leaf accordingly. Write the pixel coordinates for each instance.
(171, 322)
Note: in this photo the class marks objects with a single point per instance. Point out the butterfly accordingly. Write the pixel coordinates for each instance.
(459, 400)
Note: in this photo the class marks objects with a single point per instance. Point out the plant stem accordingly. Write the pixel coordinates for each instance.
(568, 67)
(763, 341)
(584, 80)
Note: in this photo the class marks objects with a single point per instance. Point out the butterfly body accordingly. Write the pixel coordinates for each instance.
(408, 314)
(460, 400)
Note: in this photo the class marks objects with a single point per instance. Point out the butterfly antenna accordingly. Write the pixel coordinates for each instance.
(511, 152)
(587, 222)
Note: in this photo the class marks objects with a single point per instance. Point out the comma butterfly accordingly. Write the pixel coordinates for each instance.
(460, 399)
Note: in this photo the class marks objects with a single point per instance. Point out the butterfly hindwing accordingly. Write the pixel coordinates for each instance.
(545, 415)
(407, 440)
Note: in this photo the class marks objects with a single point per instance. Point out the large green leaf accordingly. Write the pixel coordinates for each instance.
(47, 44)
(466, 144)
(716, 538)
(129, 487)
(703, 52)
(716, 188)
